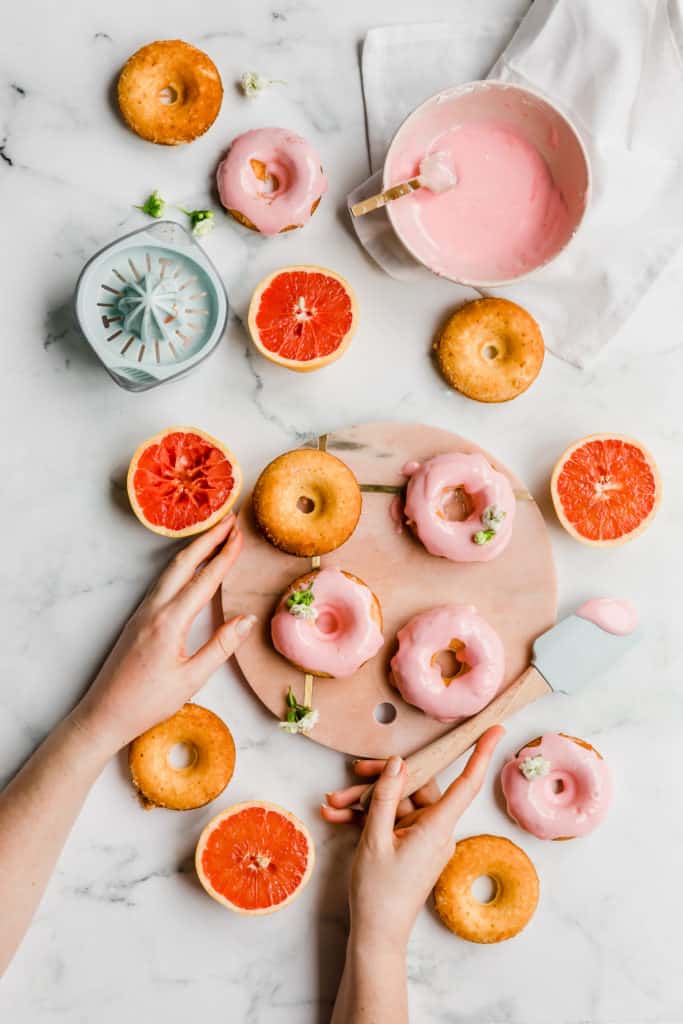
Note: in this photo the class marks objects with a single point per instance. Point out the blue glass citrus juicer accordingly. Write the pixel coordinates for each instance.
(151, 305)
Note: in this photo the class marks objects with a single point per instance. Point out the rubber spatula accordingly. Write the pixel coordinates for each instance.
(565, 658)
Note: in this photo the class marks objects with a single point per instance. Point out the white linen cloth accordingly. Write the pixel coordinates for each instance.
(616, 68)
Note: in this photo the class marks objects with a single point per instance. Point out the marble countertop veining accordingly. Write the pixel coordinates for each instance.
(124, 931)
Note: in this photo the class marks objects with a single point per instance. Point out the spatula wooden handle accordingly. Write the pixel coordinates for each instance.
(382, 198)
(438, 755)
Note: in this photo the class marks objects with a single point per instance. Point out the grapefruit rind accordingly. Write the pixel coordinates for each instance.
(204, 524)
(298, 365)
(229, 812)
(557, 503)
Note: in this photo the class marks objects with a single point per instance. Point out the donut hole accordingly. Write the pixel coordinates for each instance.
(456, 505)
(182, 756)
(449, 664)
(305, 504)
(168, 95)
(269, 181)
(557, 786)
(490, 351)
(327, 621)
(484, 889)
(385, 713)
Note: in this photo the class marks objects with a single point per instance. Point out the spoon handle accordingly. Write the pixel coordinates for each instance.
(382, 198)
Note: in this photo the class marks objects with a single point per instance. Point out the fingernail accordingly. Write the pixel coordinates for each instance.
(245, 625)
(394, 766)
(328, 797)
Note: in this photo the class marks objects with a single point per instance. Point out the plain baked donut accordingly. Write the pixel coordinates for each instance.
(491, 350)
(212, 748)
(307, 502)
(169, 92)
(516, 890)
(334, 630)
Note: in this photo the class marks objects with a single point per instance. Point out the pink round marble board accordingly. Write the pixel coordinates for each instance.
(516, 593)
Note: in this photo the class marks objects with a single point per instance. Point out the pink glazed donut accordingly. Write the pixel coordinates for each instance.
(557, 787)
(328, 623)
(271, 180)
(486, 530)
(477, 647)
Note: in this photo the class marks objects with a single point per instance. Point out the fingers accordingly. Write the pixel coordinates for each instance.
(386, 796)
(444, 814)
(346, 797)
(182, 568)
(204, 584)
(427, 795)
(220, 647)
(369, 768)
(345, 816)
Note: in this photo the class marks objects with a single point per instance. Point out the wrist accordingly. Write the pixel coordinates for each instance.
(92, 733)
(376, 943)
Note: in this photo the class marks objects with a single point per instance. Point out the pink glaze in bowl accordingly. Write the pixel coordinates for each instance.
(463, 235)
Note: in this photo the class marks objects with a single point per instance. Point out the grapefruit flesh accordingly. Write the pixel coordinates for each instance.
(302, 317)
(182, 481)
(606, 489)
(254, 858)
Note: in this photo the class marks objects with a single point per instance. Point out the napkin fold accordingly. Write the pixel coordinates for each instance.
(617, 71)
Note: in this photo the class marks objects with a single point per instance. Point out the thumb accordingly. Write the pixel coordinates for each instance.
(220, 647)
(385, 799)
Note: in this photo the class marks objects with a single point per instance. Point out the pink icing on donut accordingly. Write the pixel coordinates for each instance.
(289, 159)
(611, 614)
(342, 636)
(418, 675)
(583, 780)
(430, 486)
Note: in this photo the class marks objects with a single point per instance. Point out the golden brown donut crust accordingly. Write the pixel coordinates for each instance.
(319, 478)
(193, 77)
(302, 582)
(512, 906)
(490, 350)
(205, 778)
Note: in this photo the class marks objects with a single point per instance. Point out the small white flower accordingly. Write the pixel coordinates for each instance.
(304, 725)
(304, 611)
(492, 517)
(203, 227)
(534, 767)
(253, 83)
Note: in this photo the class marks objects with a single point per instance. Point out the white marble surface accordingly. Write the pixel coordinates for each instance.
(124, 931)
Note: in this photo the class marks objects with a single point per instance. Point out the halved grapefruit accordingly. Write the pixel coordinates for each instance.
(182, 481)
(302, 317)
(254, 858)
(606, 489)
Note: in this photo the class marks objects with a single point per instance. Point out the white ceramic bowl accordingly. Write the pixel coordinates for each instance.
(530, 116)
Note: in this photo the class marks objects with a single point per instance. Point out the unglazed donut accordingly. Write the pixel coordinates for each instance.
(271, 180)
(485, 532)
(477, 647)
(307, 502)
(328, 623)
(203, 779)
(181, 73)
(491, 350)
(515, 899)
(557, 787)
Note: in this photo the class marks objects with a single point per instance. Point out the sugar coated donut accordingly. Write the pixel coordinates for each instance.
(271, 180)
(478, 651)
(212, 760)
(516, 890)
(169, 92)
(489, 506)
(307, 502)
(557, 787)
(490, 350)
(328, 623)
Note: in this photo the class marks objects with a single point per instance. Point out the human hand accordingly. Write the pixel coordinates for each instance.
(405, 843)
(148, 675)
